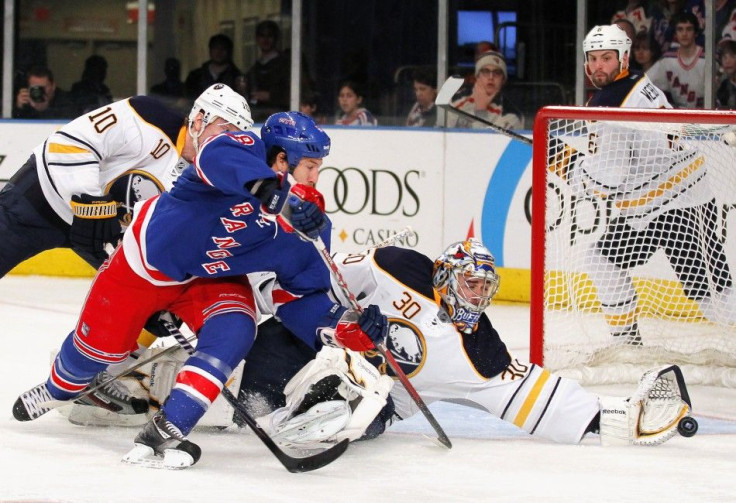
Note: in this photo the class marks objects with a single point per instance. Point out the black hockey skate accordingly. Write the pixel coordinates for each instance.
(113, 396)
(28, 405)
(161, 445)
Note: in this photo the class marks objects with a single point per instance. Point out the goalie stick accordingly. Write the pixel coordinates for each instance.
(444, 101)
(291, 463)
(327, 258)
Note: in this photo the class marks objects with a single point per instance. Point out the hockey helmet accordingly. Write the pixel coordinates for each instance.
(297, 134)
(219, 100)
(607, 38)
(460, 262)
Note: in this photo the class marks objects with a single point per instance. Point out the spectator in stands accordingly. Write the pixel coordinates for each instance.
(725, 19)
(663, 29)
(480, 48)
(681, 73)
(310, 105)
(486, 100)
(268, 80)
(726, 94)
(628, 27)
(350, 98)
(484, 46)
(172, 86)
(218, 69)
(91, 92)
(423, 113)
(41, 99)
(645, 52)
(635, 13)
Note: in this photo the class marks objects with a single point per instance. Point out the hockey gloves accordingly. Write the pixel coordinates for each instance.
(297, 207)
(353, 330)
(94, 225)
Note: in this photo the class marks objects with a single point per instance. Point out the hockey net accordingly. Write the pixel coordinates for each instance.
(599, 263)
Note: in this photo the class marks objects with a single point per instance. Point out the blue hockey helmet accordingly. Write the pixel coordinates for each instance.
(297, 134)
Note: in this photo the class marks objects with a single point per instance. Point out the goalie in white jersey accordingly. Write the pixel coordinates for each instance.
(447, 346)
(657, 185)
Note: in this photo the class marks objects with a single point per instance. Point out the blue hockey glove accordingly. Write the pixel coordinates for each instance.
(296, 207)
(307, 207)
(374, 324)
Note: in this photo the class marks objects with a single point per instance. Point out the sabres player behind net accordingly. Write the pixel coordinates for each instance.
(444, 340)
(186, 251)
(659, 189)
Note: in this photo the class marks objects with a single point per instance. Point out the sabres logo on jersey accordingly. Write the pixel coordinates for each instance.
(407, 345)
(131, 187)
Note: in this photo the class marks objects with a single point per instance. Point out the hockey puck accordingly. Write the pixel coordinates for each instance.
(687, 427)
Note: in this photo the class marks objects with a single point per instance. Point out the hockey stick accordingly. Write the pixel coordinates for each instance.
(54, 404)
(293, 464)
(403, 233)
(444, 101)
(327, 258)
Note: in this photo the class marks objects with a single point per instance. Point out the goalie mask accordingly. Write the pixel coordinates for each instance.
(465, 279)
(298, 136)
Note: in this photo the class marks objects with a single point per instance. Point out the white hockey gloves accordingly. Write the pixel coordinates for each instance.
(652, 415)
(335, 396)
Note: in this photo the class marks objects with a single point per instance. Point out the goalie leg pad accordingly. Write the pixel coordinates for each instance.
(651, 415)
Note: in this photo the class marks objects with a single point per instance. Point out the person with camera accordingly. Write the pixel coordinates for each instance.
(41, 99)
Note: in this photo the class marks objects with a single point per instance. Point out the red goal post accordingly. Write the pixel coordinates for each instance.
(570, 325)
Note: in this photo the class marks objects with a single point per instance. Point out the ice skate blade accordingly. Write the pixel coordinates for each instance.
(144, 456)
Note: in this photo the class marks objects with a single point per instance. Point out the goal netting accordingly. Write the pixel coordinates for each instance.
(634, 243)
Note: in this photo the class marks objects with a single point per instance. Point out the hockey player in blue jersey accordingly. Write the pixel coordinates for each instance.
(186, 251)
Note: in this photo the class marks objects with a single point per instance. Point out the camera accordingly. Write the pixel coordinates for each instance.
(38, 93)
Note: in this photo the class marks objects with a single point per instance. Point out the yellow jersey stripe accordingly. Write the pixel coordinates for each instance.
(531, 399)
(621, 320)
(58, 148)
(665, 186)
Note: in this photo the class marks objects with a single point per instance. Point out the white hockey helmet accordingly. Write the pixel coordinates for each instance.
(459, 262)
(219, 100)
(608, 37)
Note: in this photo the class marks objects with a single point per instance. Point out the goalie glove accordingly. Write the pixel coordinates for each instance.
(359, 331)
(651, 415)
(337, 395)
(296, 207)
(94, 225)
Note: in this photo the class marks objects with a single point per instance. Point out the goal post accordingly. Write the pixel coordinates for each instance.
(632, 261)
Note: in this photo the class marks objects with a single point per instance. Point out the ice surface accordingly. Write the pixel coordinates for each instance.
(51, 460)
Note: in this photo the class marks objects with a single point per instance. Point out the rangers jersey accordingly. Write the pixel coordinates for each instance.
(129, 148)
(210, 225)
(683, 80)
